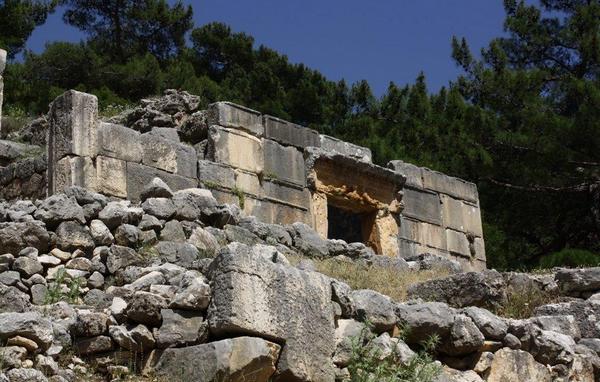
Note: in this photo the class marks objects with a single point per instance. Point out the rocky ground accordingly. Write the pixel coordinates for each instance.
(181, 288)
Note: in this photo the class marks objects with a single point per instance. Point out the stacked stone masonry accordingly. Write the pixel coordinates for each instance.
(442, 216)
(278, 171)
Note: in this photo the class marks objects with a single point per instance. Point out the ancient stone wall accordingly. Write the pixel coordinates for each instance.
(441, 215)
(273, 169)
(111, 159)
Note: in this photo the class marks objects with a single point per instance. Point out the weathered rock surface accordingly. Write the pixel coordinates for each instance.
(516, 365)
(465, 289)
(31, 325)
(241, 359)
(253, 296)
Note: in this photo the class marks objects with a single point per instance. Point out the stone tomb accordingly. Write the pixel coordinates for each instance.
(275, 170)
(356, 198)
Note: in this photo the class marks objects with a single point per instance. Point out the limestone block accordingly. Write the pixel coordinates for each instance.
(461, 216)
(280, 193)
(479, 246)
(226, 197)
(228, 114)
(255, 296)
(387, 233)
(119, 142)
(270, 212)
(168, 155)
(407, 248)
(289, 133)
(284, 163)
(72, 171)
(73, 120)
(413, 174)
(111, 176)
(468, 265)
(424, 233)
(345, 148)
(236, 148)
(422, 205)
(458, 243)
(215, 174)
(247, 182)
(458, 188)
(138, 176)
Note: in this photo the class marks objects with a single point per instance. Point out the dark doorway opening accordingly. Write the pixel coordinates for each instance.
(345, 225)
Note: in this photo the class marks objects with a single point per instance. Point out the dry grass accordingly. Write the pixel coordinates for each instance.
(521, 303)
(388, 281)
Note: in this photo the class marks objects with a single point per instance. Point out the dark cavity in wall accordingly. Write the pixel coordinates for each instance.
(345, 225)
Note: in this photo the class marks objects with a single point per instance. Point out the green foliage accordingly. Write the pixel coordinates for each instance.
(18, 19)
(240, 195)
(569, 257)
(55, 291)
(121, 28)
(541, 84)
(368, 365)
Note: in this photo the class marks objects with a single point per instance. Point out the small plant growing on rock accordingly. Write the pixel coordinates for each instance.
(240, 195)
(367, 363)
(55, 291)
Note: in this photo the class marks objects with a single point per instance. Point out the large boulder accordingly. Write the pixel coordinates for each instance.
(307, 241)
(194, 203)
(145, 308)
(516, 365)
(492, 326)
(255, 296)
(120, 257)
(577, 281)
(17, 236)
(59, 208)
(26, 375)
(162, 208)
(375, 308)
(31, 325)
(241, 359)
(483, 289)
(180, 328)
(157, 188)
(72, 235)
(464, 337)
(120, 212)
(13, 300)
(424, 319)
(586, 313)
(550, 347)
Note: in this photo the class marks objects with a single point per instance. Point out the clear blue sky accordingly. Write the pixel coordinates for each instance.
(376, 40)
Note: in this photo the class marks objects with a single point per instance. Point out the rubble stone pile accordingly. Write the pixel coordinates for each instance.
(186, 288)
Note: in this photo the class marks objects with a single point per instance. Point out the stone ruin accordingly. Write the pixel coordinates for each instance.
(275, 170)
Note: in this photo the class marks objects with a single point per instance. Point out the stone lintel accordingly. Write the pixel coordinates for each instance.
(228, 114)
(288, 133)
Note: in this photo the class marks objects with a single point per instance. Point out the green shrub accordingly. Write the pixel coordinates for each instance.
(55, 291)
(570, 257)
(13, 119)
(366, 364)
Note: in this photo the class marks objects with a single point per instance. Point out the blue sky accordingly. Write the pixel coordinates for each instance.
(377, 40)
